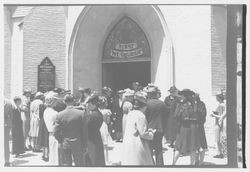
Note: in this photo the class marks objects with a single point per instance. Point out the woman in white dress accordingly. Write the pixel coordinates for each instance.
(49, 119)
(106, 138)
(127, 106)
(35, 121)
(136, 149)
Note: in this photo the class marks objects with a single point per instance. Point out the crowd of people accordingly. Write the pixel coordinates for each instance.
(77, 132)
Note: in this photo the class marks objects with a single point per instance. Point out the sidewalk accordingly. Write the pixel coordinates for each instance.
(35, 159)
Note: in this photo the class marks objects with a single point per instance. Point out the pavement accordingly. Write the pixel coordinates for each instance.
(115, 149)
(35, 158)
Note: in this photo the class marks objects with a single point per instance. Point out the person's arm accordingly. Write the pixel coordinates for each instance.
(84, 132)
(25, 106)
(216, 116)
(223, 115)
(178, 111)
(57, 129)
(141, 125)
(203, 113)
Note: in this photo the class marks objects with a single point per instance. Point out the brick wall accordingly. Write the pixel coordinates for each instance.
(44, 35)
(7, 53)
(218, 47)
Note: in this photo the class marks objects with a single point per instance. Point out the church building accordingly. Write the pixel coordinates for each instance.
(114, 45)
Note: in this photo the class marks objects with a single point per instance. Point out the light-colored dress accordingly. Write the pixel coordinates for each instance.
(49, 119)
(136, 150)
(34, 118)
(126, 108)
(106, 138)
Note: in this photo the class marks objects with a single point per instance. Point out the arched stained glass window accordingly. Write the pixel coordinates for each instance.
(126, 40)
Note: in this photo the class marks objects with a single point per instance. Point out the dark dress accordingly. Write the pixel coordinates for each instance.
(187, 138)
(201, 111)
(95, 144)
(43, 135)
(171, 126)
(117, 115)
(17, 133)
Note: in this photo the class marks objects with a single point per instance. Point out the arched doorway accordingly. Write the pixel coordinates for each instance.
(92, 28)
(126, 56)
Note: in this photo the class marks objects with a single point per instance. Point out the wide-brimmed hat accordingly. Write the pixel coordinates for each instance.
(173, 89)
(58, 90)
(141, 97)
(220, 96)
(152, 89)
(38, 95)
(27, 90)
(120, 91)
(51, 97)
(106, 89)
(128, 92)
(187, 92)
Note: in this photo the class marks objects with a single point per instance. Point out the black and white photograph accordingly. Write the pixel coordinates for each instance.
(124, 85)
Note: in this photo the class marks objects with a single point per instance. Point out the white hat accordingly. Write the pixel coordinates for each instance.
(38, 94)
(50, 97)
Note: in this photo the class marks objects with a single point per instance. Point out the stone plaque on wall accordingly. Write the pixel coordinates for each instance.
(46, 75)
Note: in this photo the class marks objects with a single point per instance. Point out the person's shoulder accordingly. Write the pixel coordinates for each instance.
(95, 112)
(77, 111)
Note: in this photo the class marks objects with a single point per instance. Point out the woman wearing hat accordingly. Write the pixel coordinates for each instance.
(25, 115)
(43, 135)
(187, 142)
(136, 149)
(17, 132)
(106, 138)
(95, 144)
(117, 115)
(35, 120)
(220, 129)
(127, 106)
(200, 110)
(49, 119)
(171, 126)
(84, 95)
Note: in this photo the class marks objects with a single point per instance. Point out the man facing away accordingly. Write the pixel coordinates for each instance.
(155, 110)
(8, 114)
(72, 133)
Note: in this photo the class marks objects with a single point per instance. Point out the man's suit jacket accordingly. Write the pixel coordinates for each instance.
(155, 110)
(8, 113)
(71, 124)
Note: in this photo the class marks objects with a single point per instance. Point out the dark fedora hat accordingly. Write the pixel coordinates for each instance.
(173, 89)
(187, 92)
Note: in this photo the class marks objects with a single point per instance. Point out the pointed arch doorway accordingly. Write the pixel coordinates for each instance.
(89, 66)
(126, 56)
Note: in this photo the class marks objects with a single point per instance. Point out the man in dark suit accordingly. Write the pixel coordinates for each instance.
(71, 131)
(155, 110)
(8, 114)
(117, 115)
